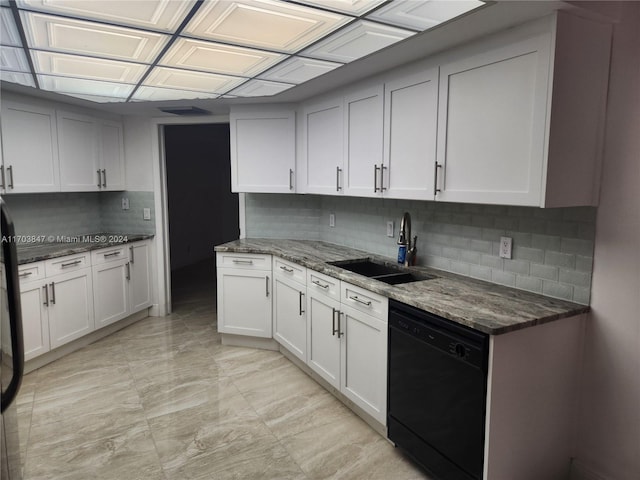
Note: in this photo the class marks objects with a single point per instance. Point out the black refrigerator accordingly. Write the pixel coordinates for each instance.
(11, 348)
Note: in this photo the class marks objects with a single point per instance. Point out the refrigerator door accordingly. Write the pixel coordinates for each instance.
(11, 349)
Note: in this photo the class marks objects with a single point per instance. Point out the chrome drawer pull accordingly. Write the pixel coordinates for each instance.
(243, 262)
(267, 285)
(301, 307)
(333, 321)
(112, 254)
(25, 274)
(356, 299)
(316, 282)
(46, 295)
(286, 269)
(71, 264)
(131, 253)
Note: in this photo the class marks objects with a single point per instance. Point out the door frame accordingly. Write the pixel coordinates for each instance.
(158, 154)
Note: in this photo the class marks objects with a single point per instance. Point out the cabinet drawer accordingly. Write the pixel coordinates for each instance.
(320, 283)
(247, 261)
(67, 264)
(30, 272)
(365, 301)
(110, 254)
(290, 270)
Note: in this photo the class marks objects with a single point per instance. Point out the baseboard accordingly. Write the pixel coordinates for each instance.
(249, 342)
(580, 471)
(154, 310)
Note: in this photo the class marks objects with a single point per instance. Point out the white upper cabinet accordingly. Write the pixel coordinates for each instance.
(410, 125)
(29, 148)
(79, 153)
(111, 155)
(521, 115)
(263, 149)
(323, 147)
(363, 122)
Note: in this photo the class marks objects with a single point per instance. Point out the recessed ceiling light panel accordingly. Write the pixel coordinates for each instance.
(8, 31)
(260, 88)
(266, 24)
(425, 14)
(164, 15)
(13, 59)
(155, 94)
(219, 58)
(64, 65)
(17, 77)
(79, 86)
(188, 80)
(351, 7)
(299, 70)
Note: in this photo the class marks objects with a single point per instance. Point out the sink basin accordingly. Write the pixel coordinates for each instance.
(384, 273)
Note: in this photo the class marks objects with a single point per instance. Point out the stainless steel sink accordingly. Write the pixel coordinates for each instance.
(384, 273)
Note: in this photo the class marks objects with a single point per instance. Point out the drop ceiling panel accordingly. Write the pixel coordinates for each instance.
(17, 77)
(351, 7)
(298, 70)
(97, 98)
(260, 88)
(8, 31)
(14, 59)
(78, 86)
(424, 14)
(357, 40)
(164, 15)
(93, 39)
(188, 80)
(266, 24)
(156, 94)
(219, 58)
(60, 64)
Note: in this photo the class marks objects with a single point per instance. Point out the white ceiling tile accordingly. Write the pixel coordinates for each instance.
(17, 77)
(298, 70)
(164, 15)
(267, 24)
(60, 64)
(79, 86)
(219, 58)
(47, 32)
(154, 93)
(356, 40)
(188, 80)
(260, 88)
(97, 98)
(423, 14)
(351, 7)
(8, 31)
(14, 59)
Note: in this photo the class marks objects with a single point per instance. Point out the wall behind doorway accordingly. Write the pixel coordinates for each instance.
(202, 210)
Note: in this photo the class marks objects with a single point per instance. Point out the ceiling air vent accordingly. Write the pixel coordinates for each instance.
(185, 111)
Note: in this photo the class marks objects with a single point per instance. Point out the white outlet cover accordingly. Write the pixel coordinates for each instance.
(125, 203)
(146, 214)
(332, 219)
(505, 247)
(390, 228)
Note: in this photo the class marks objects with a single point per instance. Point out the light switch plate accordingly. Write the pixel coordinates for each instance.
(125, 203)
(332, 219)
(390, 228)
(146, 214)
(505, 247)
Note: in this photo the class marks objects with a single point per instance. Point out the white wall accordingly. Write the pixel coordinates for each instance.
(608, 430)
(138, 153)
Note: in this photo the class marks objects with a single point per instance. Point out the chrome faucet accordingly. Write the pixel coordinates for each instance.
(405, 239)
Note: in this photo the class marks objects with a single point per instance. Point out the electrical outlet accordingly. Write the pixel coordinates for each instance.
(390, 228)
(332, 219)
(146, 214)
(505, 247)
(125, 203)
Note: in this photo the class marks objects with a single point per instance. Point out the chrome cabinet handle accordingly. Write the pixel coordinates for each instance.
(382, 169)
(300, 300)
(25, 274)
(316, 282)
(435, 179)
(356, 299)
(53, 292)
(340, 332)
(243, 262)
(333, 321)
(46, 295)
(112, 254)
(286, 269)
(375, 178)
(338, 187)
(267, 285)
(128, 271)
(99, 178)
(131, 253)
(2, 175)
(290, 179)
(10, 172)
(104, 178)
(70, 264)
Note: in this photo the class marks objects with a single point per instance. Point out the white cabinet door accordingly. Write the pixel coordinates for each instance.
(323, 147)
(111, 292)
(30, 148)
(112, 155)
(244, 302)
(79, 153)
(410, 131)
(324, 344)
(263, 151)
(70, 306)
(140, 273)
(34, 299)
(364, 361)
(491, 124)
(289, 317)
(363, 142)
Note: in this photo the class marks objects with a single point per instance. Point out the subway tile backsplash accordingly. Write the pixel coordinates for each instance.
(552, 248)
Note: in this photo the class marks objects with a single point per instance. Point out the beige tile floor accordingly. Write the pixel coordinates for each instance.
(164, 400)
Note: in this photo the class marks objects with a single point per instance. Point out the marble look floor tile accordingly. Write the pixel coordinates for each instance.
(192, 357)
(238, 360)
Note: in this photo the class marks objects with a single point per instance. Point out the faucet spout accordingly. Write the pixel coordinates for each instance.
(404, 238)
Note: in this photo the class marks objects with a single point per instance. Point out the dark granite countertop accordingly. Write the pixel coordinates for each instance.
(61, 245)
(484, 306)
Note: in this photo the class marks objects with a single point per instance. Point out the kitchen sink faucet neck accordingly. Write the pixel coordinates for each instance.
(404, 239)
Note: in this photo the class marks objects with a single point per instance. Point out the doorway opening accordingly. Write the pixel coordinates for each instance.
(202, 211)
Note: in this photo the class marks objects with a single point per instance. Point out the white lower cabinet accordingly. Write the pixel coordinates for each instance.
(289, 308)
(244, 295)
(111, 274)
(35, 318)
(324, 345)
(140, 275)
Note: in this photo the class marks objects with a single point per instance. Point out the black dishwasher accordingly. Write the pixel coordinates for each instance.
(437, 392)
